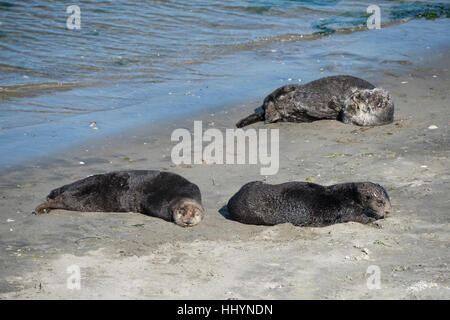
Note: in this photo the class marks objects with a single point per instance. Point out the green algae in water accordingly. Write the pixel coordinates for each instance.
(4, 4)
(258, 10)
(323, 29)
(99, 11)
(420, 10)
(124, 62)
(345, 20)
(285, 3)
(359, 19)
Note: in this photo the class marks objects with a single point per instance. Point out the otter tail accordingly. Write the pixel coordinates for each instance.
(254, 117)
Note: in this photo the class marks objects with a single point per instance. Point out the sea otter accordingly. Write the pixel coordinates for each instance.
(155, 193)
(348, 99)
(308, 204)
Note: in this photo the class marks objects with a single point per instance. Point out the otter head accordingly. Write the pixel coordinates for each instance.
(187, 212)
(368, 107)
(374, 199)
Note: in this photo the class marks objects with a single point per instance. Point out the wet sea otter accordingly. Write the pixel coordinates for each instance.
(345, 98)
(308, 204)
(155, 193)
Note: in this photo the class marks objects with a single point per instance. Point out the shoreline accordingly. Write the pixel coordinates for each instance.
(135, 256)
(246, 80)
(238, 110)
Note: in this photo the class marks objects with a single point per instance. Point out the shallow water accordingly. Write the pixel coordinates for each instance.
(134, 62)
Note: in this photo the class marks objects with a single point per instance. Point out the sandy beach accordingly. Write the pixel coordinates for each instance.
(133, 256)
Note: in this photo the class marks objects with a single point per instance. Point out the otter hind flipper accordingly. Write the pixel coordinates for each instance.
(47, 206)
(254, 117)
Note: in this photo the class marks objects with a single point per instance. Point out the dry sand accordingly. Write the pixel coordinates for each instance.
(132, 256)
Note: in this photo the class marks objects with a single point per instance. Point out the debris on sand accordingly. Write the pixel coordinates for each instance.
(391, 155)
(432, 127)
(369, 154)
(416, 183)
(344, 140)
(336, 155)
(182, 165)
(93, 125)
(363, 256)
(379, 242)
(420, 286)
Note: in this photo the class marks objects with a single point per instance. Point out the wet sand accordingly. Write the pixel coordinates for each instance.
(132, 256)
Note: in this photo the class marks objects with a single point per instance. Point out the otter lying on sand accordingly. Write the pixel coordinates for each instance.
(345, 98)
(159, 194)
(308, 204)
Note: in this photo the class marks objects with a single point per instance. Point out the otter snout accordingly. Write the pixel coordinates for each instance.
(388, 207)
(187, 213)
(374, 215)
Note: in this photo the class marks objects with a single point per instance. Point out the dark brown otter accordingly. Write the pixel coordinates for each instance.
(155, 193)
(308, 204)
(345, 98)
